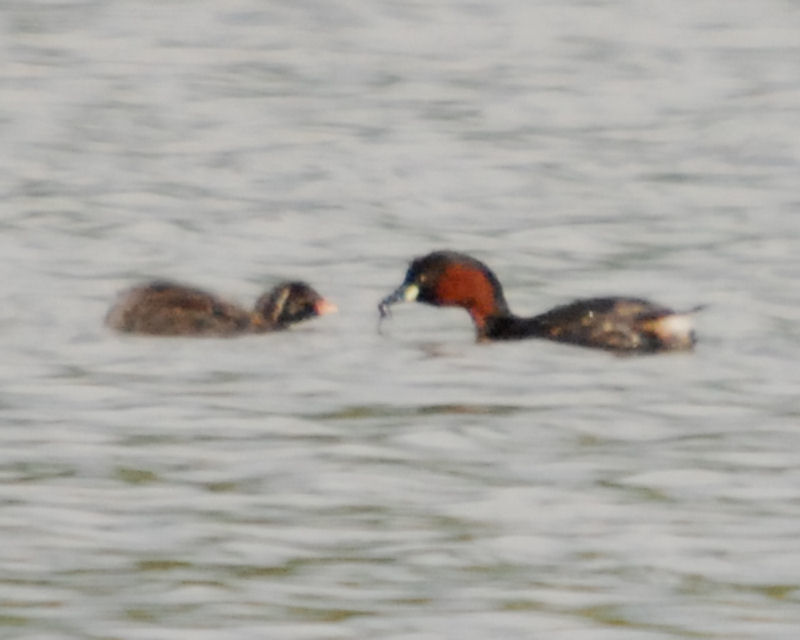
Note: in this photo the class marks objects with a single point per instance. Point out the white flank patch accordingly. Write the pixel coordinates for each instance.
(679, 324)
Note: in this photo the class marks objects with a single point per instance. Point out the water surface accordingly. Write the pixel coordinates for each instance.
(336, 482)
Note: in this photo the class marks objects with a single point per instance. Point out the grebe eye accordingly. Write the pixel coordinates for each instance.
(422, 278)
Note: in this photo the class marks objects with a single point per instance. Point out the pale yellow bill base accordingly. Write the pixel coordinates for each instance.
(404, 293)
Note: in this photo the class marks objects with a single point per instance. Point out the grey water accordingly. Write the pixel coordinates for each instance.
(340, 482)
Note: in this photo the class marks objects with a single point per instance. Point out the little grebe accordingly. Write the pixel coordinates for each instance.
(169, 309)
(452, 279)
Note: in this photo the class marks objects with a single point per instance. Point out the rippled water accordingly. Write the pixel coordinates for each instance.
(334, 482)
